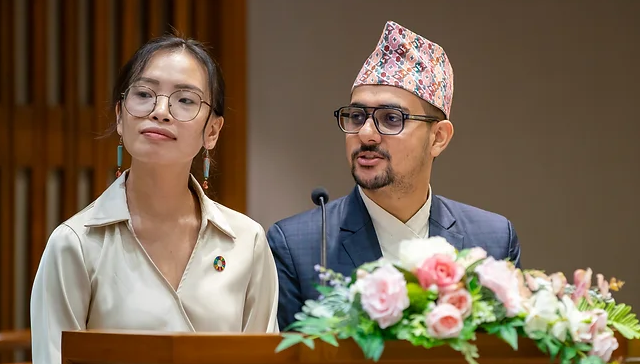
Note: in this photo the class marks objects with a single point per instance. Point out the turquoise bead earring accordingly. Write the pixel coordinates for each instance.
(207, 164)
(120, 147)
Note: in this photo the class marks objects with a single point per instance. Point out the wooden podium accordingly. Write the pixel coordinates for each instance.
(114, 347)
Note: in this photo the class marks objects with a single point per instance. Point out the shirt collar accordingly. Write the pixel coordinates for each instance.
(111, 207)
(415, 223)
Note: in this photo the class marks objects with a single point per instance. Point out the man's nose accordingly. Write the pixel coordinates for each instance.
(369, 133)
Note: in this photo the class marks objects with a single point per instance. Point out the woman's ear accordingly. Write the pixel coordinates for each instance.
(118, 118)
(212, 131)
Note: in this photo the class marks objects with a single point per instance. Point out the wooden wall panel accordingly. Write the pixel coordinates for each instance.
(70, 55)
(6, 167)
(36, 138)
(231, 150)
(74, 49)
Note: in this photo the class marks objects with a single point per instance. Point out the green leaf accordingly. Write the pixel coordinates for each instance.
(288, 341)
(510, 335)
(584, 347)
(553, 345)
(469, 350)
(372, 345)
(330, 339)
(324, 290)
(542, 346)
(568, 353)
(630, 333)
(591, 360)
(408, 276)
(308, 342)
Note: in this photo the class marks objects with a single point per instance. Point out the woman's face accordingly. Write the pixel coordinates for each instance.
(172, 132)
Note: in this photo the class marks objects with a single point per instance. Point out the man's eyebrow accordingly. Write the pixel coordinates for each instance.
(183, 86)
(395, 106)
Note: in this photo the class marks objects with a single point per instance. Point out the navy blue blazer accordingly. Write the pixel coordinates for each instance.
(352, 241)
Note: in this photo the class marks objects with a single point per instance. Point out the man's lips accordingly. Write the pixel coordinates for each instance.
(369, 159)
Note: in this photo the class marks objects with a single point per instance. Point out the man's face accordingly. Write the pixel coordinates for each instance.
(403, 161)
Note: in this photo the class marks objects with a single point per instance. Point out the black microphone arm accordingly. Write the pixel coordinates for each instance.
(320, 197)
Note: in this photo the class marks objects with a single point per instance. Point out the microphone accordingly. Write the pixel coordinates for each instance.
(320, 197)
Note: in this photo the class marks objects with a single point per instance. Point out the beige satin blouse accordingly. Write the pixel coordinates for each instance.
(94, 274)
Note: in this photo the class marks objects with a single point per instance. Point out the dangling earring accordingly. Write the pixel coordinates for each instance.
(207, 163)
(120, 147)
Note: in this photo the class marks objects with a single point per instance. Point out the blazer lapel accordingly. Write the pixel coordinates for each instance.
(357, 233)
(442, 222)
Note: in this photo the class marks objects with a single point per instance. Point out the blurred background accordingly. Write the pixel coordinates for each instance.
(544, 109)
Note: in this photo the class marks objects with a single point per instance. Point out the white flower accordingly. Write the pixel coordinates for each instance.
(544, 311)
(579, 322)
(559, 329)
(414, 252)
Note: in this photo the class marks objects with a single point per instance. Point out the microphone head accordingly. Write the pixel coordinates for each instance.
(317, 193)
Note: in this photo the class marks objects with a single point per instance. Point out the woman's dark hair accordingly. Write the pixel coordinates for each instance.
(136, 64)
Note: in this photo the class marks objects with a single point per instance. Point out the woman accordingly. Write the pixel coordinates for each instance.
(153, 252)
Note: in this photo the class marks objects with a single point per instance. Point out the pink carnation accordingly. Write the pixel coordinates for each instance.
(384, 295)
(440, 270)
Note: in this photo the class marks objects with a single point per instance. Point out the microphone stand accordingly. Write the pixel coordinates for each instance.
(323, 247)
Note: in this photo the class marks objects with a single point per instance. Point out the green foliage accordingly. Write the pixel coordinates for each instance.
(618, 315)
(419, 298)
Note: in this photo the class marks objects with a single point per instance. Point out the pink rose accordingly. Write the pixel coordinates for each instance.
(444, 321)
(384, 295)
(460, 299)
(502, 279)
(604, 345)
(440, 270)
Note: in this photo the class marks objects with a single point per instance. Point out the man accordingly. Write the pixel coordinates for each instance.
(396, 125)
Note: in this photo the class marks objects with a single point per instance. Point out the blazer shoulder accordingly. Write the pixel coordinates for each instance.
(304, 220)
(468, 213)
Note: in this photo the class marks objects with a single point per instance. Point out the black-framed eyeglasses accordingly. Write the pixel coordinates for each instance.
(388, 120)
(184, 105)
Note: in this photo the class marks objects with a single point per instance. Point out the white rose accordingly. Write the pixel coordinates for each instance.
(544, 311)
(414, 252)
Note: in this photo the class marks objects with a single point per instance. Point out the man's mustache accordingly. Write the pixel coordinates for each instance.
(375, 148)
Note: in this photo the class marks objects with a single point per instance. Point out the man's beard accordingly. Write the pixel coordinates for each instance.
(384, 179)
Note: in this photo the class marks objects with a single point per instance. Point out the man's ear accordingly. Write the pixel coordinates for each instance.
(212, 131)
(118, 118)
(442, 132)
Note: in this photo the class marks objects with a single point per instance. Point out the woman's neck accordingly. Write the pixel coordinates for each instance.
(160, 192)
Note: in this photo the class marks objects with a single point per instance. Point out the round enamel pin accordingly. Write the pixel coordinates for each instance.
(219, 263)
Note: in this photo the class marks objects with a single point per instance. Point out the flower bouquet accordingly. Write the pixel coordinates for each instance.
(435, 295)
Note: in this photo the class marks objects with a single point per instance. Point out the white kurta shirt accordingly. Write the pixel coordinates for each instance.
(94, 274)
(391, 231)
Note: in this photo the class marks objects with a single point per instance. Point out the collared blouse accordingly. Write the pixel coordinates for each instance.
(94, 274)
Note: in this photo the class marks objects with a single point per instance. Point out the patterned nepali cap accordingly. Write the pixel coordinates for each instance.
(407, 60)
